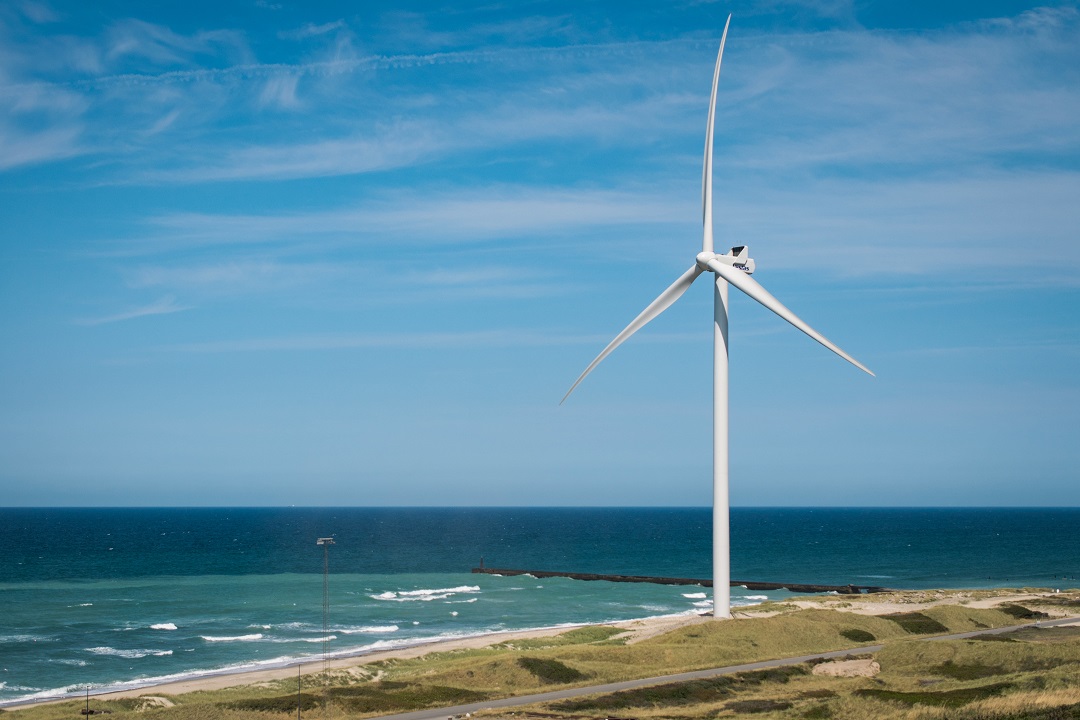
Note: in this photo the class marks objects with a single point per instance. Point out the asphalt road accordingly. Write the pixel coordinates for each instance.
(447, 712)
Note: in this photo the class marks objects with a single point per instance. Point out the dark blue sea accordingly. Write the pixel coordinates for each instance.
(112, 598)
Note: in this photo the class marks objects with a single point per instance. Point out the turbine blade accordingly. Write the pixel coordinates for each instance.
(657, 306)
(753, 288)
(706, 169)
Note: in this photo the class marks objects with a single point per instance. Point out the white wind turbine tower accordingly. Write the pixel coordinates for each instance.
(733, 267)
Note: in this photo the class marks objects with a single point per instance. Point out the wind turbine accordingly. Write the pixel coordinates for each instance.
(731, 268)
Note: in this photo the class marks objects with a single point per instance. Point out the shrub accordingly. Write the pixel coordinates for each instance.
(1020, 612)
(396, 696)
(756, 706)
(551, 671)
(687, 693)
(942, 698)
(966, 672)
(684, 693)
(917, 623)
(857, 635)
(279, 704)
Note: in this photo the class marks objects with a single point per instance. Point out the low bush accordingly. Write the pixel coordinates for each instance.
(1021, 613)
(756, 706)
(857, 635)
(551, 671)
(917, 623)
(967, 672)
(278, 704)
(397, 696)
(685, 693)
(941, 698)
(1061, 712)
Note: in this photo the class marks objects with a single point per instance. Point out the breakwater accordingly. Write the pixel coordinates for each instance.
(748, 584)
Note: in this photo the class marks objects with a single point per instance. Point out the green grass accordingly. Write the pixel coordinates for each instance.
(1028, 661)
(577, 636)
(1061, 601)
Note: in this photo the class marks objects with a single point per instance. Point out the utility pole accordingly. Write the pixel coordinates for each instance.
(326, 542)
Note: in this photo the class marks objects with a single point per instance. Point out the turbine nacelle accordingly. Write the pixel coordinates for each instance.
(738, 258)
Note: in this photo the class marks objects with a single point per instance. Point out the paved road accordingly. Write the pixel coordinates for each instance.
(446, 712)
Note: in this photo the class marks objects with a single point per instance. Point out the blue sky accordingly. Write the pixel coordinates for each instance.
(271, 253)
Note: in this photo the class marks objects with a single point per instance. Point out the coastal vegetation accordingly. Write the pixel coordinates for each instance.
(1028, 673)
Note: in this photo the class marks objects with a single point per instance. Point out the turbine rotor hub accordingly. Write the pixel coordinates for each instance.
(738, 258)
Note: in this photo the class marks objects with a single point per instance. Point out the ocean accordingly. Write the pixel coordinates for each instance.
(112, 598)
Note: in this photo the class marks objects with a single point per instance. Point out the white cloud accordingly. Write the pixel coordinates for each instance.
(425, 340)
(236, 276)
(163, 123)
(312, 30)
(38, 12)
(997, 225)
(478, 214)
(133, 38)
(165, 306)
(280, 91)
(20, 147)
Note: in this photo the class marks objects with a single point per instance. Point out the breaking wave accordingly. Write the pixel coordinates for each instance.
(232, 638)
(129, 654)
(424, 595)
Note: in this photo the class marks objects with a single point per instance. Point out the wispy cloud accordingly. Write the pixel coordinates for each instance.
(478, 214)
(280, 91)
(466, 340)
(235, 276)
(165, 306)
(312, 30)
(133, 39)
(848, 101)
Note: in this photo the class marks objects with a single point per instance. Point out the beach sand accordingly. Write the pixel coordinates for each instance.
(637, 630)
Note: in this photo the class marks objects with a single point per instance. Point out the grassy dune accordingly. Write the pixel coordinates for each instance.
(1030, 673)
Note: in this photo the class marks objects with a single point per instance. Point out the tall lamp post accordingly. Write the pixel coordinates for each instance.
(326, 542)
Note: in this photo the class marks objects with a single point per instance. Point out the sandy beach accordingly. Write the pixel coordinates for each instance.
(640, 630)
(637, 630)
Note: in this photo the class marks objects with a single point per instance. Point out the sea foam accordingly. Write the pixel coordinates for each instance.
(232, 638)
(424, 594)
(368, 629)
(129, 654)
(163, 626)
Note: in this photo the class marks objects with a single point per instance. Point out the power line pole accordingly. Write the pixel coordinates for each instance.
(326, 542)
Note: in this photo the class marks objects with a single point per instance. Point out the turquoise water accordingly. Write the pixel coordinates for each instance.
(109, 598)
